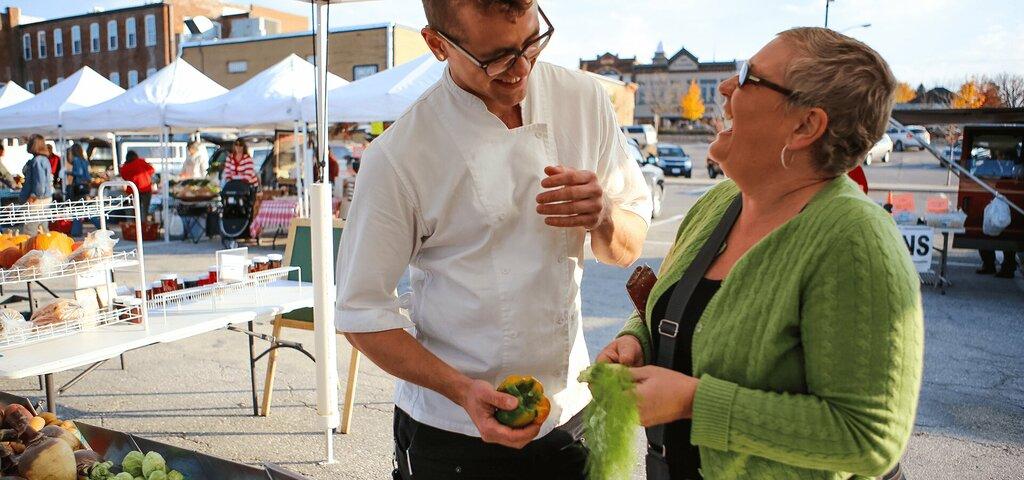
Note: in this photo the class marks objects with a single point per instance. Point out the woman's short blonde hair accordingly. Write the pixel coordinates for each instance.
(851, 82)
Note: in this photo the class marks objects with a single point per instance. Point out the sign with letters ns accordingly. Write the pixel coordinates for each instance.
(918, 240)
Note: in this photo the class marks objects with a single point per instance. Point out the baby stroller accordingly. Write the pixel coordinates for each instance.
(238, 202)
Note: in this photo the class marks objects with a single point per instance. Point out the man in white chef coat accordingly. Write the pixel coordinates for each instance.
(486, 189)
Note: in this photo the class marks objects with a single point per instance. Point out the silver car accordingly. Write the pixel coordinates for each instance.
(652, 173)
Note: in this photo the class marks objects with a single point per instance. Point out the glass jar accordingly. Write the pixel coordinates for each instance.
(212, 275)
(260, 264)
(169, 282)
(276, 260)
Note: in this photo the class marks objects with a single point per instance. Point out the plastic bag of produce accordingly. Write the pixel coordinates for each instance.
(97, 244)
(997, 217)
(12, 322)
(41, 261)
(61, 310)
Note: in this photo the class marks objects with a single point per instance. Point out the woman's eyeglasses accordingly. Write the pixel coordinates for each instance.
(501, 64)
(745, 77)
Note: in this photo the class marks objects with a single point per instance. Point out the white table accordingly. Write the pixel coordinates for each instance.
(175, 323)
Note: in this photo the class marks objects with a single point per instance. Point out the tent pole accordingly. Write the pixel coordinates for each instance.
(61, 169)
(307, 166)
(165, 183)
(113, 153)
(323, 258)
(298, 165)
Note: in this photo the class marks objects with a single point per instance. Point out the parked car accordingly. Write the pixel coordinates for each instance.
(674, 161)
(714, 169)
(880, 151)
(994, 154)
(645, 135)
(903, 139)
(652, 173)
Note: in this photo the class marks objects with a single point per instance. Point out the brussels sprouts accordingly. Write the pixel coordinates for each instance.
(101, 471)
(132, 463)
(175, 475)
(123, 476)
(157, 475)
(153, 462)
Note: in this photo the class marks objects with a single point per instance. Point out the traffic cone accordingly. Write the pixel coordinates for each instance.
(888, 198)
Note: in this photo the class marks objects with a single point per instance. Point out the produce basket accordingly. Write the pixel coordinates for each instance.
(150, 231)
(114, 445)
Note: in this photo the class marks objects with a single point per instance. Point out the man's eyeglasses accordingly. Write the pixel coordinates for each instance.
(501, 64)
(746, 76)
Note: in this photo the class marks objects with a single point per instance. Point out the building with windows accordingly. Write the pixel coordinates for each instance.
(663, 82)
(125, 45)
(355, 52)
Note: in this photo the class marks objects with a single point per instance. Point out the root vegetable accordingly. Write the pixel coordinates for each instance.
(85, 459)
(53, 431)
(46, 459)
(14, 415)
(49, 417)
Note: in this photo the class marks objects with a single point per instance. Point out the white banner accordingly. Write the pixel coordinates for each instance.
(918, 240)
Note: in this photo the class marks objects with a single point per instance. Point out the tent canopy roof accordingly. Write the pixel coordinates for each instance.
(141, 108)
(271, 98)
(44, 112)
(12, 93)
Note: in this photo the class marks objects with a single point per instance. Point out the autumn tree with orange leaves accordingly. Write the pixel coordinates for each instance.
(905, 93)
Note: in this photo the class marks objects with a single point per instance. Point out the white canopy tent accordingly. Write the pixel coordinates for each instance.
(12, 93)
(382, 96)
(272, 98)
(142, 107)
(44, 113)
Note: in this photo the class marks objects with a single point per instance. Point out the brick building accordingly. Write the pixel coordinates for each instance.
(663, 82)
(125, 45)
(355, 52)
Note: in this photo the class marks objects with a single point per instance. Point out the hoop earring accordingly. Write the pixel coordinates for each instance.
(782, 157)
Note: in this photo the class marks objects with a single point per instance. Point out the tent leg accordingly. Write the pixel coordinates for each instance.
(165, 185)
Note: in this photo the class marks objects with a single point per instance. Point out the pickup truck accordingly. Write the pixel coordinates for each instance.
(995, 155)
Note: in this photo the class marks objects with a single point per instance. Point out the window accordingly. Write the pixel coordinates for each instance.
(26, 46)
(130, 40)
(133, 78)
(58, 42)
(30, 86)
(41, 39)
(708, 87)
(150, 71)
(115, 78)
(76, 40)
(44, 84)
(363, 71)
(94, 37)
(997, 157)
(112, 35)
(150, 21)
(238, 66)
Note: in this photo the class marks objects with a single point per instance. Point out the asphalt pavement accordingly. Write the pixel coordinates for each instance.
(195, 393)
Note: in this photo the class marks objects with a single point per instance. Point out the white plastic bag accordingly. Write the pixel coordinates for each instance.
(997, 217)
(40, 261)
(97, 244)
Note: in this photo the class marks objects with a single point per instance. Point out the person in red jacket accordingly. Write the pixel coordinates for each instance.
(138, 171)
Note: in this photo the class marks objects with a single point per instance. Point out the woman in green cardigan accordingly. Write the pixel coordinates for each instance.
(799, 352)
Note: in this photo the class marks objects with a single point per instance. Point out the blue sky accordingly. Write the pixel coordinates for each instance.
(935, 42)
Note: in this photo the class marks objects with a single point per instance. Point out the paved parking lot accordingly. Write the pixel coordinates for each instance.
(194, 393)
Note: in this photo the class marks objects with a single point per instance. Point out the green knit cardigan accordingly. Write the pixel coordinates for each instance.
(810, 354)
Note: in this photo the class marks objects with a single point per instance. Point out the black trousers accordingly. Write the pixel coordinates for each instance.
(430, 453)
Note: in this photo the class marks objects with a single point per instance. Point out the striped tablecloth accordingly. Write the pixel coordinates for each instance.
(279, 212)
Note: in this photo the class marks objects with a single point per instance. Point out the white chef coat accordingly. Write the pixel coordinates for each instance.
(449, 191)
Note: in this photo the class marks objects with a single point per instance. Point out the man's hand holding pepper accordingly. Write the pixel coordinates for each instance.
(480, 401)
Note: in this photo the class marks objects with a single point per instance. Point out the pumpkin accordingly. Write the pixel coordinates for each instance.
(10, 255)
(50, 241)
(76, 245)
(11, 238)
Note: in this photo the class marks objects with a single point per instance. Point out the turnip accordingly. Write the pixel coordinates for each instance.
(46, 458)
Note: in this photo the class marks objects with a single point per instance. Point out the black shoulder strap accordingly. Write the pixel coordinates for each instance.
(668, 327)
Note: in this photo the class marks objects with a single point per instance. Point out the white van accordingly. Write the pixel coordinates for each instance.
(153, 152)
(645, 135)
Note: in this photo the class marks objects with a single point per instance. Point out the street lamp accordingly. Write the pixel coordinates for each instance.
(827, 2)
(863, 25)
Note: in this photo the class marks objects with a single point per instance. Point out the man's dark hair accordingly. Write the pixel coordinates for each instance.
(442, 14)
(131, 155)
